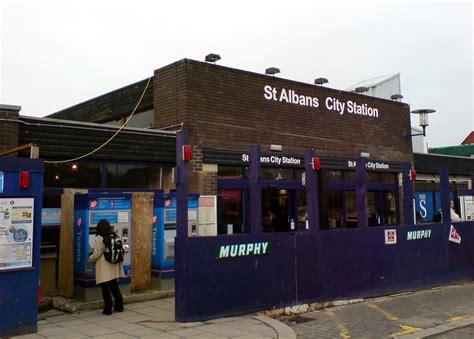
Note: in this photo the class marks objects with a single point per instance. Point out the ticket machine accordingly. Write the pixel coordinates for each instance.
(164, 232)
(88, 210)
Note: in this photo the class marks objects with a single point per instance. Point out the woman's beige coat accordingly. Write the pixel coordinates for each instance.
(104, 271)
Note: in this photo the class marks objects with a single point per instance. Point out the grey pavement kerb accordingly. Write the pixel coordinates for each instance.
(440, 329)
(282, 330)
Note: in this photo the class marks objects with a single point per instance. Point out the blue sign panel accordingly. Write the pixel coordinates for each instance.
(1, 182)
(110, 204)
(111, 217)
(170, 202)
(170, 216)
(50, 216)
(438, 199)
(424, 205)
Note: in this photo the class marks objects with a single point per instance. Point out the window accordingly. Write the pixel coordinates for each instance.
(134, 176)
(390, 207)
(232, 172)
(339, 200)
(81, 175)
(230, 211)
(333, 214)
(270, 173)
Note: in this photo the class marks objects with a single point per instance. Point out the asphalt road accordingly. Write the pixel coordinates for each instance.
(393, 316)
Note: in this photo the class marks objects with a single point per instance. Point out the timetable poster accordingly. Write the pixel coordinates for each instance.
(16, 233)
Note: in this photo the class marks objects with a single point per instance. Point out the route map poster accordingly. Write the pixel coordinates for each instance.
(16, 233)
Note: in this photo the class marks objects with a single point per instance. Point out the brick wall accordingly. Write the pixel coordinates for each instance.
(225, 108)
(8, 129)
(169, 95)
(202, 178)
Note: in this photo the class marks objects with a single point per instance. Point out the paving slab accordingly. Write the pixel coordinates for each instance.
(154, 319)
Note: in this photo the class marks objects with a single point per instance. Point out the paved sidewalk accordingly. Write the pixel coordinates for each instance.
(155, 319)
(441, 312)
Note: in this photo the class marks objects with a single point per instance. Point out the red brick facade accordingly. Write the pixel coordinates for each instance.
(225, 108)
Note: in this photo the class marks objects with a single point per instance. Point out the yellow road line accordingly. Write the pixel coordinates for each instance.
(457, 318)
(446, 314)
(387, 315)
(343, 330)
(406, 330)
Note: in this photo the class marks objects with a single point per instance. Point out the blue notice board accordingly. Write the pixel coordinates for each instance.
(424, 205)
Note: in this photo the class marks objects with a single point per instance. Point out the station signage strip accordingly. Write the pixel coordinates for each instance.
(281, 160)
(332, 104)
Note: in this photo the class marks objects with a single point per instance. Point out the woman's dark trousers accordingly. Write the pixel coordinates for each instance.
(111, 287)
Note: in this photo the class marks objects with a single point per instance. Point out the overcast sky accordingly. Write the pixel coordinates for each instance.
(55, 54)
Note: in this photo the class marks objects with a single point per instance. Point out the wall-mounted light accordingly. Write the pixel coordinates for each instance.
(361, 89)
(276, 148)
(212, 57)
(24, 180)
(187, 153)
(315, 163)
(396, 97)
(74, 167)
(321, 81)
(423, 114)
(365, 154)
(272, 71)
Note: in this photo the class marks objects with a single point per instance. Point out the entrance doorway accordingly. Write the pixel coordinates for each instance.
(283, 209)
(340, 208)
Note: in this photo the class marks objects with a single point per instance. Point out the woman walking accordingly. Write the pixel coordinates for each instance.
(106, 273)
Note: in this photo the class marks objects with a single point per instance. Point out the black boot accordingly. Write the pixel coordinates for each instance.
(107, 310)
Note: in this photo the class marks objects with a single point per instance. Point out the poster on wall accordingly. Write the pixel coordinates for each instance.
(424, 207)
(16, 233)
(207, 215)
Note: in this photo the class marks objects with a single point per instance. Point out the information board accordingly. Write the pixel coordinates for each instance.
(16, 233)
(208, 215)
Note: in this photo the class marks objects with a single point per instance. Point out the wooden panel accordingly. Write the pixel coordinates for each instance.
(142, 217)
(66, 243)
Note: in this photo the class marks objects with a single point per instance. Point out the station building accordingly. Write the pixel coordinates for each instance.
(227, 110)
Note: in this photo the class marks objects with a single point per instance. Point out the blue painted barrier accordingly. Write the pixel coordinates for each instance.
(217, 287)
(314, 265)
(19, 285)
(302, 268)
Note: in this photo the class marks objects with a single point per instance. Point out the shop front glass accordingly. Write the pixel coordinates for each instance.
(283, 200)
(339, 201)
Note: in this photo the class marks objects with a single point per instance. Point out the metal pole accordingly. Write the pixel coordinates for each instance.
(444, 186)
(181, 178)
(361, 193)
(407, 194)
(255, 191)
(312, 192)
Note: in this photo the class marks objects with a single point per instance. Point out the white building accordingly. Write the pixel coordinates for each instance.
(388, 87)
